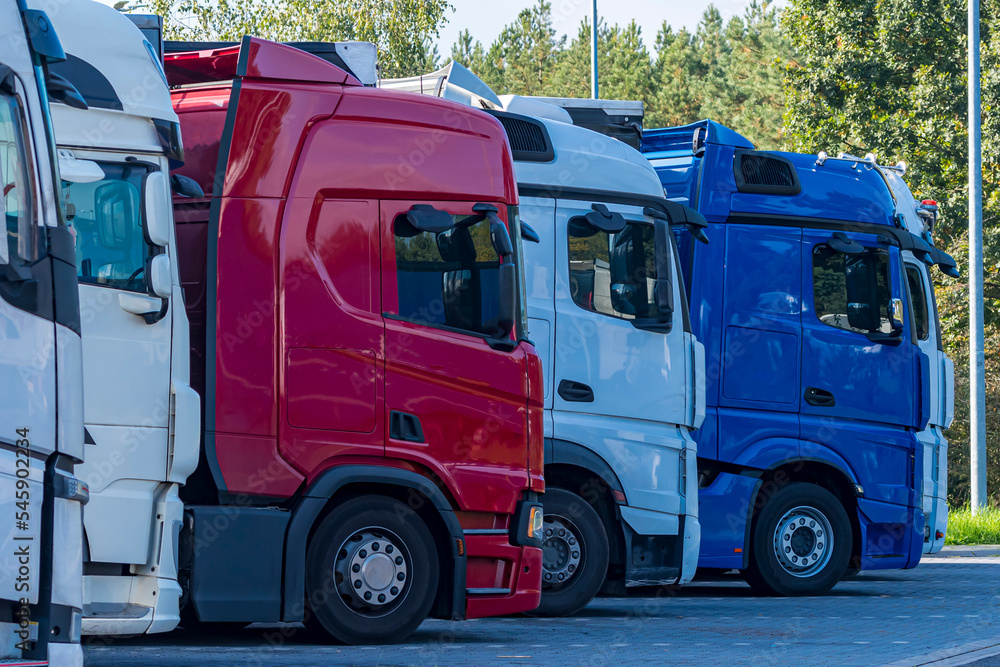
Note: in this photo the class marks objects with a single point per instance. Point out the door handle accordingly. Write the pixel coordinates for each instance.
(821, 398)
(575, 392)
(406, 427)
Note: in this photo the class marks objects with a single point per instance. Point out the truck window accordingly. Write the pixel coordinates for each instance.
(16, 181)
(613, 273)
(833, 302)
(918, 297)
(450, 278)
(106, 217)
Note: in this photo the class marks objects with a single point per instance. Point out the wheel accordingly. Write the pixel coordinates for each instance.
(371, 572)
(801, 542)
(574, 553)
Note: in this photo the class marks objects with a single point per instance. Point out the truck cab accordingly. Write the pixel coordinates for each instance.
(624, 376)
(41, 409)
(372, 406)
(622, 369)
(141, 415)
(809, 464)
(920, 217)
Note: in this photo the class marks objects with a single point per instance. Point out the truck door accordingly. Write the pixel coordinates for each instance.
(611, 338)
(455, 395)
(935, 446)
(861, 369)
(126, 351)
(41, 411)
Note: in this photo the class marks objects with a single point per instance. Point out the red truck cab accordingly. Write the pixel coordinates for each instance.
(372, 442)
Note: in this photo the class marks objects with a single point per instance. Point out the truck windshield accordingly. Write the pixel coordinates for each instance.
(106, 217)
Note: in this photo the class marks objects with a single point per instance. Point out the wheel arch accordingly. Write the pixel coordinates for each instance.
(837, 477)
(416, 491)
(573, 467)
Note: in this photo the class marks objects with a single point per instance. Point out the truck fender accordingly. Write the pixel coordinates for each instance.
(311, 503)
(817, 454)
(569, 453)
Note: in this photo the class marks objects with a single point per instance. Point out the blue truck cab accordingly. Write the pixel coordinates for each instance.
(809, 461)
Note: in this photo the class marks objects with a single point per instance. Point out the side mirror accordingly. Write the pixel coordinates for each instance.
(507, 311)
(61, 90)
(158, 275)
(664, 289)
(862, 292)
(897, 313)
(185, 187)
(158, 209)
(529, 234)
(623, 298)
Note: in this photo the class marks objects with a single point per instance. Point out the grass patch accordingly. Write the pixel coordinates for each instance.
(963, 528)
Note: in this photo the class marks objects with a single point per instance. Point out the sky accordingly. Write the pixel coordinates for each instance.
(485, 19)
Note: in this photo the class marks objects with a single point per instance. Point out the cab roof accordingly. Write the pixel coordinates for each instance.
(108, 60)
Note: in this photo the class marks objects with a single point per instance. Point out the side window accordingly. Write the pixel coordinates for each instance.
(449, 278)
(851, 292)
(15, 180)
(106, 217)
(613, 273)
(918, 297)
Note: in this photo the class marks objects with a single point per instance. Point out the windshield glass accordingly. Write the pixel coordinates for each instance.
(106, 218)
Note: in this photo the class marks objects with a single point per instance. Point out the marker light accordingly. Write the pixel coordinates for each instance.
(535, 522)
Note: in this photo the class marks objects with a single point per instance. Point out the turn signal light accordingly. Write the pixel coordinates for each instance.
(535, 522)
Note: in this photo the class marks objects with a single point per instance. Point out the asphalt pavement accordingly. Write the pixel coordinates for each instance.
(945, 612)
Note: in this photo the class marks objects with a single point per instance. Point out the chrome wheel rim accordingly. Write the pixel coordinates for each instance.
(803, 541)
(372, 571)
(562, 551)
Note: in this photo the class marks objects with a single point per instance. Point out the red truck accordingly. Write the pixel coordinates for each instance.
(372, 440)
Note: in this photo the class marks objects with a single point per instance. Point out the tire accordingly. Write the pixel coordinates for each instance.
(800, 517)
(571, 522)
(382, 542)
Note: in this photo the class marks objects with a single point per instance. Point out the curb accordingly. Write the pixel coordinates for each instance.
(954, 657)
(967, 551)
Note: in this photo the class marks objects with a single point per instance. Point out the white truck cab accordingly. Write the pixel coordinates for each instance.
(141, 416)
(624, 377)
(919, 218)
(41, 410)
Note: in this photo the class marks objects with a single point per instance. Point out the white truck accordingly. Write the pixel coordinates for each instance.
(624, 377)
(41, 411)
(919, 217)
(142, 417)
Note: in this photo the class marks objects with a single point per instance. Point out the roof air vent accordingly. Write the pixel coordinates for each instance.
(529, 140)
(759, 172)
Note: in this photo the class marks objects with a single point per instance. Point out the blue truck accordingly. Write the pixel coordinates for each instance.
(809, 461)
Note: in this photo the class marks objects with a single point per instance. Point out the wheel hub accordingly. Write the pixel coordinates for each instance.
(561, 550)
(371, 571)
(803, 541)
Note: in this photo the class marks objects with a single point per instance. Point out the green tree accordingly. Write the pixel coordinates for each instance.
(525, 54)
(402, 30)
(677, 80)
(889, 76)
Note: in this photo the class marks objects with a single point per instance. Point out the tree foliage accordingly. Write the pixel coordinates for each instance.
(402, 30)
(890, 77)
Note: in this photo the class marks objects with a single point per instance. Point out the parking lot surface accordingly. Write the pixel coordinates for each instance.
(945, 612)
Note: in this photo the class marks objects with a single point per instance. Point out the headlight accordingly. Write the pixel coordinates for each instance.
(535, 523)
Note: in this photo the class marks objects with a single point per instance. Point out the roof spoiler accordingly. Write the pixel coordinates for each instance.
(359, 59)
(254, 58)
